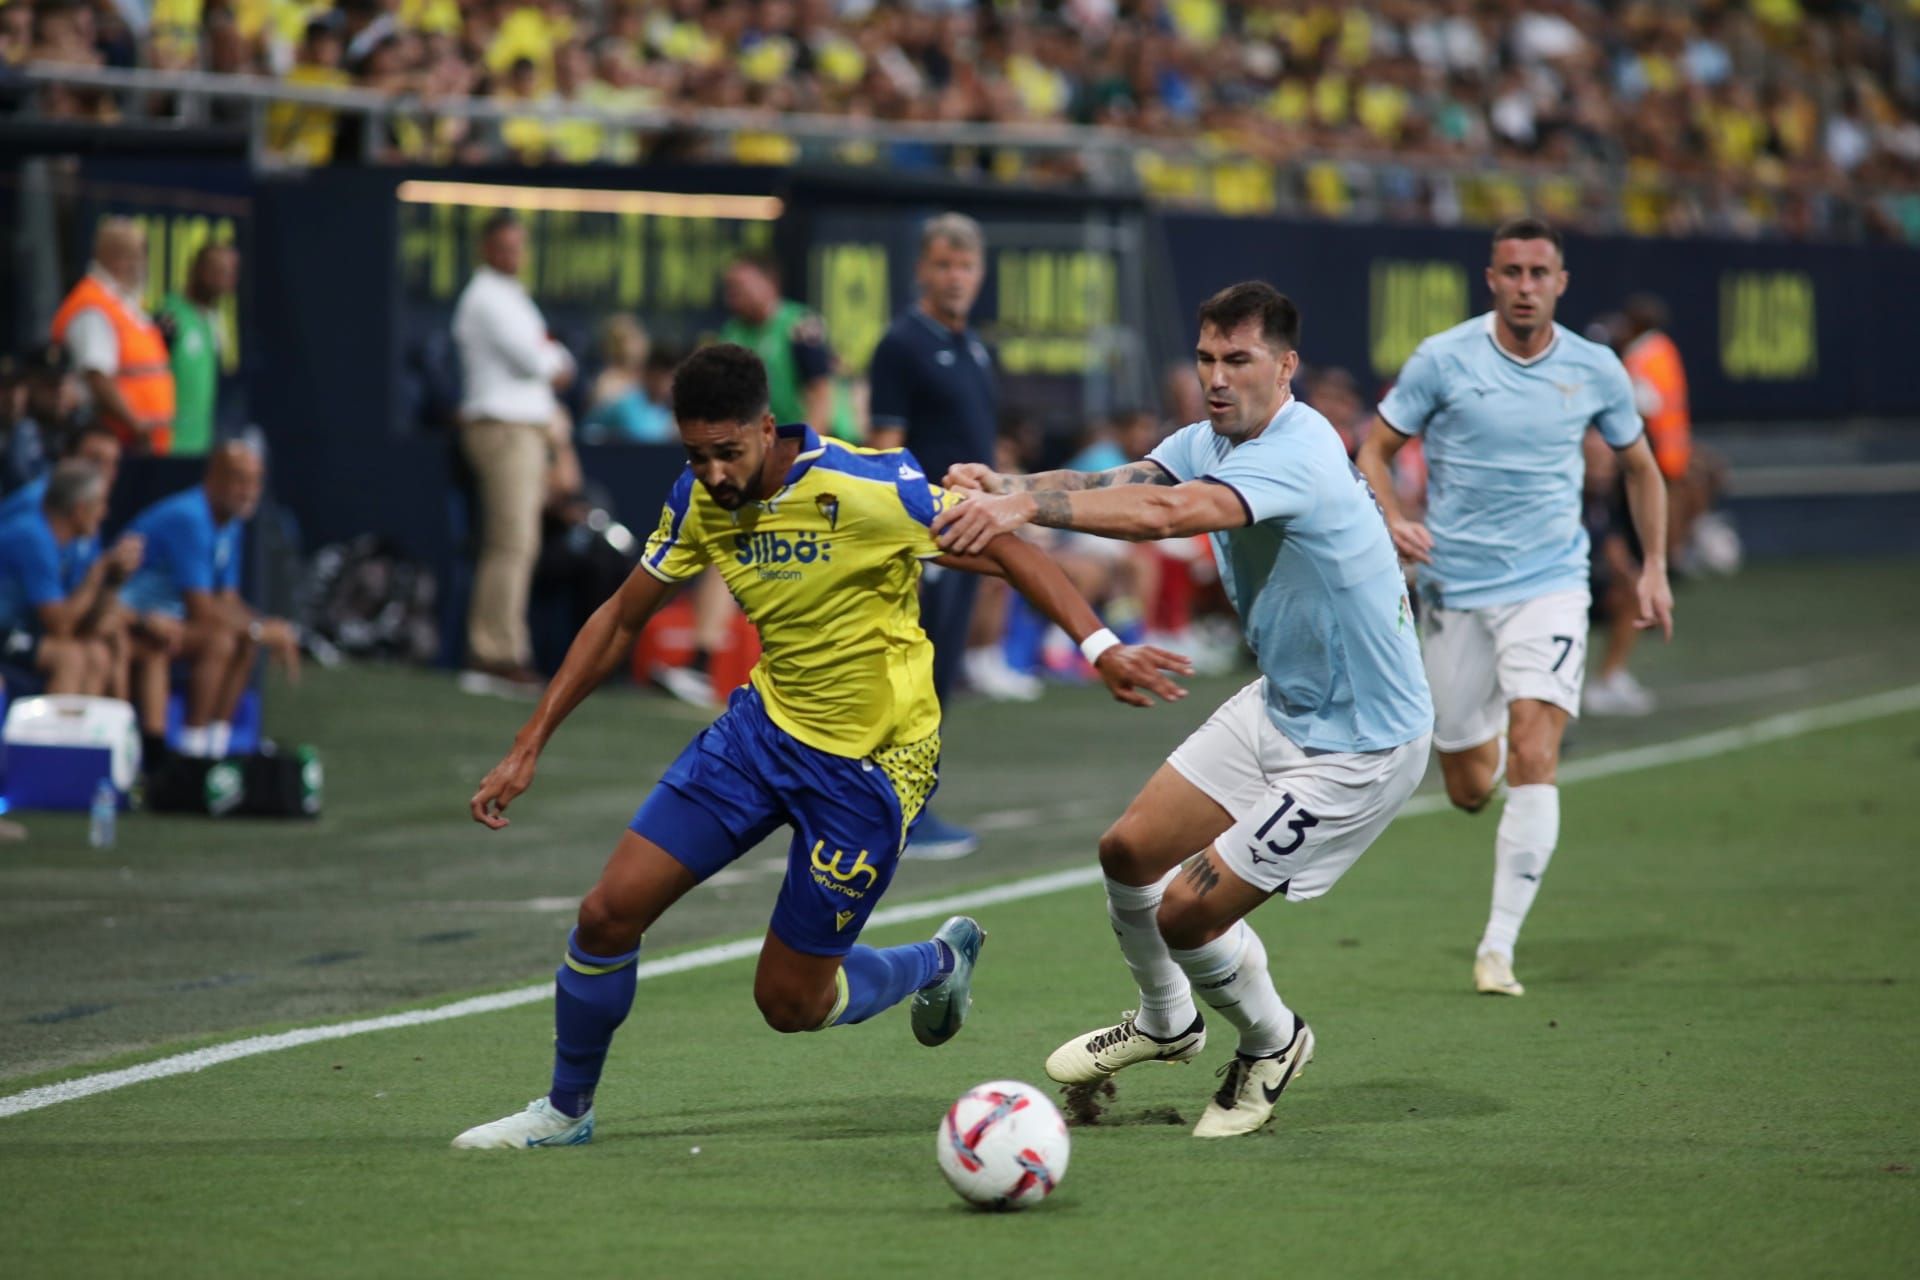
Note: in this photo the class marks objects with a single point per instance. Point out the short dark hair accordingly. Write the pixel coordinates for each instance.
(497, 221)
(762, 262)
(1530, 228)
(1236, 304)
(1647, 311)
(77, 436)
(724, 383)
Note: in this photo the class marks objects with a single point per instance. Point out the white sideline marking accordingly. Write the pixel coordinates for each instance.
(1720, 742)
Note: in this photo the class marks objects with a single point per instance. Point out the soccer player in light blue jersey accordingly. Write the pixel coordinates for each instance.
(1291, 779)
(1503, 403)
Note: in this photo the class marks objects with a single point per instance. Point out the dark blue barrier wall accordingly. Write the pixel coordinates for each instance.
(1767, 330)
(1090, 298)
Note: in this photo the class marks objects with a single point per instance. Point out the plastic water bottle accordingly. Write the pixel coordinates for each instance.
(103, 815)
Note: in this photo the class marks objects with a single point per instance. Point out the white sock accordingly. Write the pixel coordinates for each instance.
(1230, 973)
(1529, 830)
(219, 738)
(1500, 762)
(193, 741)
(1166, 1002)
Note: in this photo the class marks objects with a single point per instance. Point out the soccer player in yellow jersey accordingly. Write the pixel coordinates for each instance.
(837, 736)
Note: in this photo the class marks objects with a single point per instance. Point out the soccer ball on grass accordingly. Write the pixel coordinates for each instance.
(1003, 1145)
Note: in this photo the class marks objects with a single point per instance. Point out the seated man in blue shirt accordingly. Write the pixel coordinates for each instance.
(55, 586)
(140, 646)
(191, 572)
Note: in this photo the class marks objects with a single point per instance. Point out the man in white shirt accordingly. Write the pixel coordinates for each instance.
(508, 415)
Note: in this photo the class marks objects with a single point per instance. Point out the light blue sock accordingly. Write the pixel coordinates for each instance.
(591, 997)
(879, 978)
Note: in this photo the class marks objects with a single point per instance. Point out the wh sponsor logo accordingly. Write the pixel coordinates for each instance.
(827, 872)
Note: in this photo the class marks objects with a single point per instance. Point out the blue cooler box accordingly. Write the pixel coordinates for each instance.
(56, 750)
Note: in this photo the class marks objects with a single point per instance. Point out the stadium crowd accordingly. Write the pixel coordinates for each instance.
(1797, 116)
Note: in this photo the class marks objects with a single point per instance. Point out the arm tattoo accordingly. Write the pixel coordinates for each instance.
(1201, 875)
(1076, 481)
(1132, 473)
(1052, 509)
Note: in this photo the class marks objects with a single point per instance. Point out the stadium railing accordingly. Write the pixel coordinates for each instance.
(1597, 197)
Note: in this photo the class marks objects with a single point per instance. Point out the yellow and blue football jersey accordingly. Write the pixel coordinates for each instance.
(828, 569)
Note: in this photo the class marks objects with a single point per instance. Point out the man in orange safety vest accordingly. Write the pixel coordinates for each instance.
(116, 347)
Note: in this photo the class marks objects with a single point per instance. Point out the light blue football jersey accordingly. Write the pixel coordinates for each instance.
(1504, 466)
(1316, 583)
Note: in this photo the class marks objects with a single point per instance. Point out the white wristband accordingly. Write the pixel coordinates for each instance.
(1096, 644)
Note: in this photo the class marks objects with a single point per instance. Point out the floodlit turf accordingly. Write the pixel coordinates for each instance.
(1712, 1075)
(191, 928)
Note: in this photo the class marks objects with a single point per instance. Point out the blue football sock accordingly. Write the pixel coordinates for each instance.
(880, 978)
(590, 1000)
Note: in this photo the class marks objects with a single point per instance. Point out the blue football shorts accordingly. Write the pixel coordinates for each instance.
(744, 776)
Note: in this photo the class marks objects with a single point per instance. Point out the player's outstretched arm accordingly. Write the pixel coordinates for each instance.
(984, 479)
(602, 645)
(1137, 513)
(1410, 537)
(1647, 500)
(1127, 669)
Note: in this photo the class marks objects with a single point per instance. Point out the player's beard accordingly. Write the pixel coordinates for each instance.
(1525, 326)
(732, 497)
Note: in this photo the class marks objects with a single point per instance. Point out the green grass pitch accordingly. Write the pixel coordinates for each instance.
(1711, 1075)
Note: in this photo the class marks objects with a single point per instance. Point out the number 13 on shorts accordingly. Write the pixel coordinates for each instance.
(1297, 828)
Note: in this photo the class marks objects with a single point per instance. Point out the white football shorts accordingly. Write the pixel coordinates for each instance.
(1300, 817)
(1480, 660)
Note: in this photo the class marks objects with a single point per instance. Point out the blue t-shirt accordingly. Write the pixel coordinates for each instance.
(28, 497)
(186, 551)
(628, 419)
(938, 386)
(36, 569)
(1504, 462)
(23, 456)
(1316, 583)
(31, 497)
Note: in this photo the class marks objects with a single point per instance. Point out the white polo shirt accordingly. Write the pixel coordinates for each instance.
(507, 361)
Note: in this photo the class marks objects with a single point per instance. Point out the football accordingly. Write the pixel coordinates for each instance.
(1003, 1145)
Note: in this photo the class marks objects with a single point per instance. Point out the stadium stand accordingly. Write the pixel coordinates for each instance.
(1788, 117)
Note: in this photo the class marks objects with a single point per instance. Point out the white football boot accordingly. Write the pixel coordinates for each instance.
(1090, 1058)
(1245, 1098)
(1493, 975)
(540, 1125)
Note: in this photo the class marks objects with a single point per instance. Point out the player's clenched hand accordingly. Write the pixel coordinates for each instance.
(977, 476)
(1411, 540)
(501, 787)
(1129, 668)
(1656, 601)
(967, 527)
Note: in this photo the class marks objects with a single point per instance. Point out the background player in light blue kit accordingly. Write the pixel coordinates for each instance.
(1503, 402)
(1288, 783)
